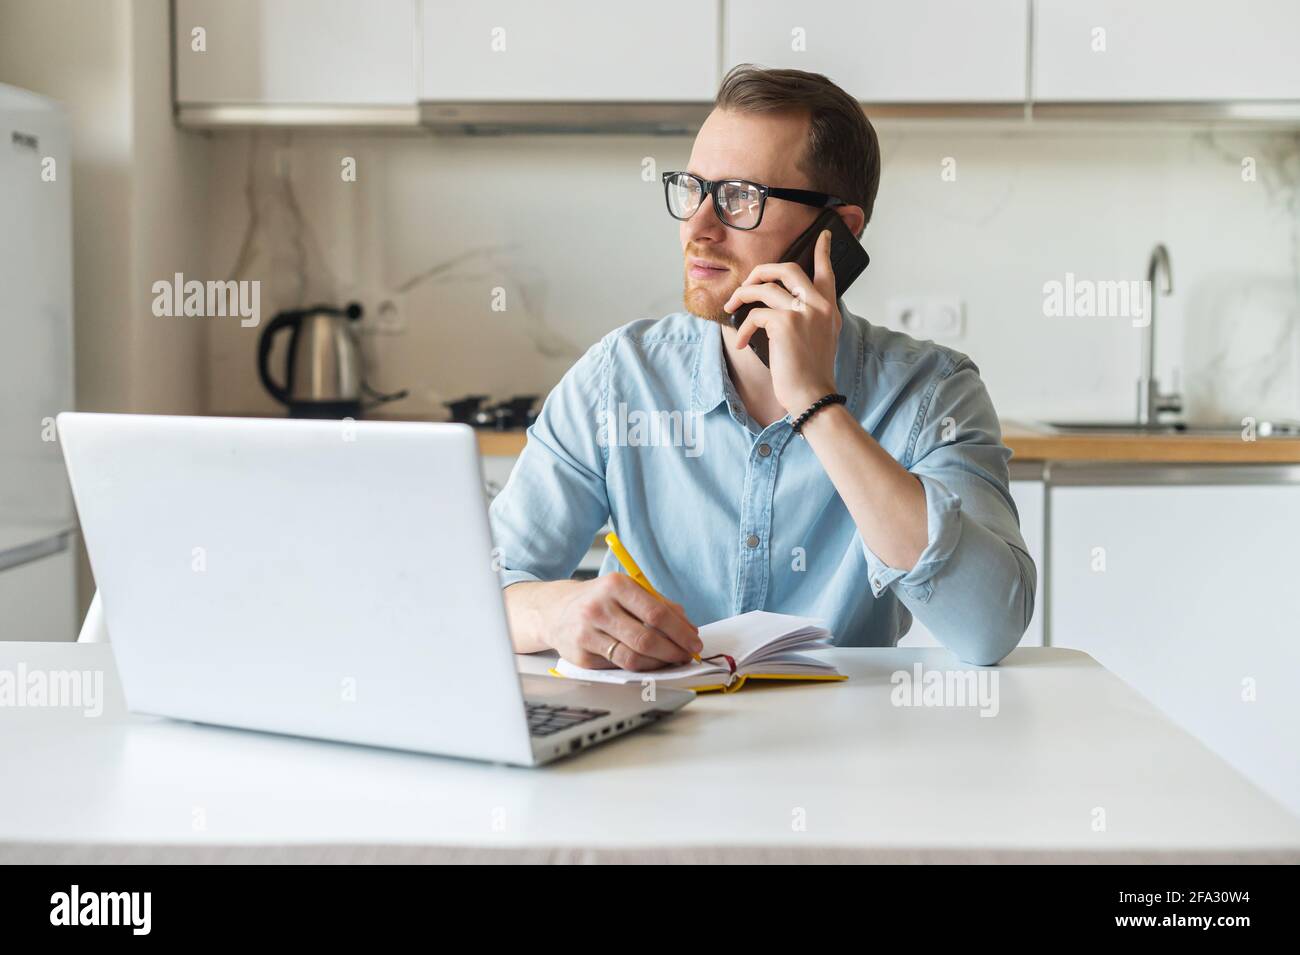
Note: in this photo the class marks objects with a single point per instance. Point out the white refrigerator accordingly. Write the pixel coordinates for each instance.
(38, 593)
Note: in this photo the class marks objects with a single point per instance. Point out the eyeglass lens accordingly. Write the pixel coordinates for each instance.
(740, 202)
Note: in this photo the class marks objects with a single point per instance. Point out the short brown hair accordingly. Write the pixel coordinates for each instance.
(843, 155)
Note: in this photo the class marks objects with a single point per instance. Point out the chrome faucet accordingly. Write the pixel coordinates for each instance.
(1151, 401)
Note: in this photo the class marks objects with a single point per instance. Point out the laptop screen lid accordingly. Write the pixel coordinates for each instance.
(319, 578)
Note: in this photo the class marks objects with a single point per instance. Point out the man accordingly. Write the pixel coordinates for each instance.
(890, 504)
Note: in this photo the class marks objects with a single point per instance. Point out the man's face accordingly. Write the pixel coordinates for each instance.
(760, 147)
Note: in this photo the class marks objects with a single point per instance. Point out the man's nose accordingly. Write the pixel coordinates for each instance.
(705, 224)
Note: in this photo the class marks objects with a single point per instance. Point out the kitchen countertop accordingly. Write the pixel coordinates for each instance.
(1073, 767)
(1034, 443)
(1030, 443)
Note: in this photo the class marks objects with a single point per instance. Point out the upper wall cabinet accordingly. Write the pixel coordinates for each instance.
(346, 53)
(575, 50)
(597, 65)
(890, 51)
(1166, 51)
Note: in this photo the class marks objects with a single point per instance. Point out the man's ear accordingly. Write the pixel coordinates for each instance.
(854, 218)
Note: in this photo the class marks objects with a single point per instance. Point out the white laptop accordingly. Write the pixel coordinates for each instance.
(331, 579)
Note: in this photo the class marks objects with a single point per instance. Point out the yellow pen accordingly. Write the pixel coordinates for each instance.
(633, 570)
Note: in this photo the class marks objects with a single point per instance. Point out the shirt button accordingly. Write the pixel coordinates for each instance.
(751, 540)
(875, 582)
(764, 450)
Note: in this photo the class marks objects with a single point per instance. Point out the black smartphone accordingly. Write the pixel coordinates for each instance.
(848, 259)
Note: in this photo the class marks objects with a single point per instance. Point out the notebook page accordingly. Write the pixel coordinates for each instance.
(686, 671)
(791, 664)
(744, 636)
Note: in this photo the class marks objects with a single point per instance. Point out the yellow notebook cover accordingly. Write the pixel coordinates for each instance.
(735, 684)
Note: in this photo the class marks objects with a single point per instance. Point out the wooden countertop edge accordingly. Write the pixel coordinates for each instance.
(1028, 445)
(501, 443)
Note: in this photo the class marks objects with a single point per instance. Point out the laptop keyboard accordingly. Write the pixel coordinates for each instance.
(547, 718)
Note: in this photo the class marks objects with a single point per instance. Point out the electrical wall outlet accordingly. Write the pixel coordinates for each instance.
(388, 319)
(928, 316)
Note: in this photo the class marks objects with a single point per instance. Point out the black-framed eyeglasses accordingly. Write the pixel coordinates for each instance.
(738, 203)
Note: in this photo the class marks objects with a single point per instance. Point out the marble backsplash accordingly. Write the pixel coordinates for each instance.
(489, 264)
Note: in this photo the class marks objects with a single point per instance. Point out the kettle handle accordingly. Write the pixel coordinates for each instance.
(277, 324)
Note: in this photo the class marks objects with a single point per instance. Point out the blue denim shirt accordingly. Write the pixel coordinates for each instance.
(647, 431)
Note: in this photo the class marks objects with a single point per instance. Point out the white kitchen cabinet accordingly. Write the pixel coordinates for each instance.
(1165, 50)
(297, 52)
(1030, 500)
(577, 50)
(890, 51)
(1187, 592)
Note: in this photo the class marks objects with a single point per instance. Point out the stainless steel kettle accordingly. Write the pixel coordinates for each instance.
(324, 377)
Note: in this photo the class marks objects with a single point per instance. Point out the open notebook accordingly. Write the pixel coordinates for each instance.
(751, 646)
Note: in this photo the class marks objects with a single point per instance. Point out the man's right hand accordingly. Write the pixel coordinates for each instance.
(610, 621)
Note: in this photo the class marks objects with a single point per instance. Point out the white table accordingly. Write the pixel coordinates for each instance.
(728, 778)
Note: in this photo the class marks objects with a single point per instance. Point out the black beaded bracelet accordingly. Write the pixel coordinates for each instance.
(816, 406)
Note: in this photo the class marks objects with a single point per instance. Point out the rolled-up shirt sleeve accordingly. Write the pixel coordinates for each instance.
(545, 519)
(973, 585)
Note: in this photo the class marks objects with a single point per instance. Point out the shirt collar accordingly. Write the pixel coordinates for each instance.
(711, 385)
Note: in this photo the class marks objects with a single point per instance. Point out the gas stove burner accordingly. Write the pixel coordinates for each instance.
(514, 414)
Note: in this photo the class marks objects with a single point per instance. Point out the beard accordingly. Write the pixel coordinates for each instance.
(705, 303)
(704, 298)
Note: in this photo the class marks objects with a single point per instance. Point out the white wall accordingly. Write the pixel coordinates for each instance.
(1025, 208)
(169, 169)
